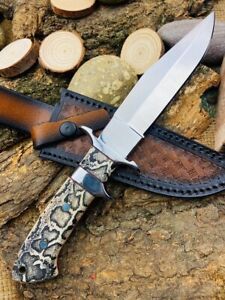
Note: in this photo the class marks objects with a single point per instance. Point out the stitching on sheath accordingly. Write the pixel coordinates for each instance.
(60, 157)
(91, 103)
(217, 184)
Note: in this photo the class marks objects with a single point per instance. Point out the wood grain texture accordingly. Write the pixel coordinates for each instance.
(28, 26)
(142, 49)
(187, 114)
(21, 168)
(61, 51)
(8, 288)
(72, 9)
(38, 256)
(18, 57)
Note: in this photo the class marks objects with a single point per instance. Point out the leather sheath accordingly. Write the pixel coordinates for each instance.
(169, 163)
(31, 116)
(21, 112)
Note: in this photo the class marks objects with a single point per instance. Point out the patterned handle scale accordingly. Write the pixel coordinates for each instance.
(37, 258)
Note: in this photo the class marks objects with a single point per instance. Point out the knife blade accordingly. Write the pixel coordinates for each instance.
(37, 258)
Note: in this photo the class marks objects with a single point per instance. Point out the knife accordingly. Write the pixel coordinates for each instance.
(37, 258)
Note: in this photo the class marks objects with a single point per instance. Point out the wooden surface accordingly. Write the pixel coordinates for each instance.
(142, 221)
(185, 115)
(8, 288)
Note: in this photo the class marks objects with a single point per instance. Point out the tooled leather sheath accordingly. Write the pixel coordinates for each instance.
(169, 163)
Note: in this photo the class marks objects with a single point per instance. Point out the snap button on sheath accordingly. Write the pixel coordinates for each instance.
(68, 129)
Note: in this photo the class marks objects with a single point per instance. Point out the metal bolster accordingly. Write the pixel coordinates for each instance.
(102, 147)
(90, 183)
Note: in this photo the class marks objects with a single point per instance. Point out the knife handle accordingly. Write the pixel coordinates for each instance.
(37, 258)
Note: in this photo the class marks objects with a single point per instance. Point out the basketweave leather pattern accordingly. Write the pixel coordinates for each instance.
(169, 163)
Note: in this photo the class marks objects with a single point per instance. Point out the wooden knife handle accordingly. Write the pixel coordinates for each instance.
(37, 258)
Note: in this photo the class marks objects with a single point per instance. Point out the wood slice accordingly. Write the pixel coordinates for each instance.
(18, 57)
(61, 51)
(105, 78)
(72, 8)
(142, 49)
(172, 32)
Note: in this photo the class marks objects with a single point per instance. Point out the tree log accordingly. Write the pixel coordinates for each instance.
(34, 10)
(31, 174)
(187, 115)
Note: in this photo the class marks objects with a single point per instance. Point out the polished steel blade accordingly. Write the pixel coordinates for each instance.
(156, 88)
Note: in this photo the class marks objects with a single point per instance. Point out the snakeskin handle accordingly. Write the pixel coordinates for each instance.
(37, 258)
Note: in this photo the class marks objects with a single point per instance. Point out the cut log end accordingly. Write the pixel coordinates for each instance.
(142, 49)
(61, 51)
(71, 8)
(18, 57)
